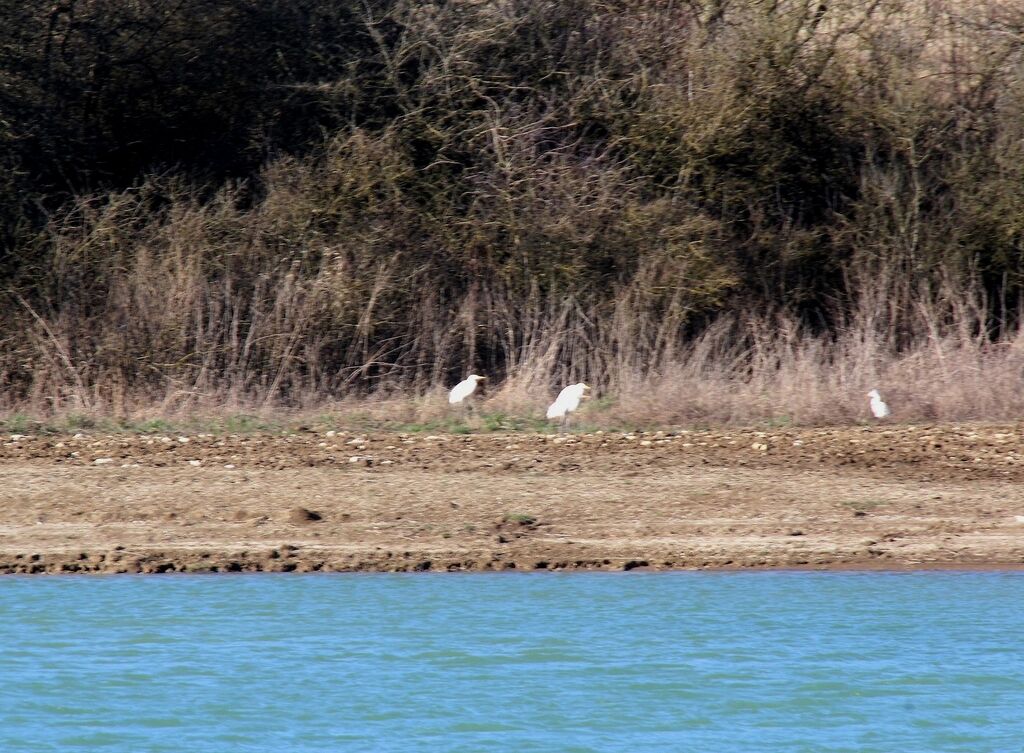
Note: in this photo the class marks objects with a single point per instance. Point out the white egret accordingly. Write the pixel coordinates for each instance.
(568, 400)
(878, 407)
(463, 389)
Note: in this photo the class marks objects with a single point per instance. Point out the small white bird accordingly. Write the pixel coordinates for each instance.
(567, 401)
(878, 407)
(463, 389)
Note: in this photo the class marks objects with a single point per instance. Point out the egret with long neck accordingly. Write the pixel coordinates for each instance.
(568, 400)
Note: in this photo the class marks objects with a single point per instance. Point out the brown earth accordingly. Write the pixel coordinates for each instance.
(862, 497)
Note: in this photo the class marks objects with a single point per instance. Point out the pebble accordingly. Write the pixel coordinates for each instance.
(301, 515)
(102, 461)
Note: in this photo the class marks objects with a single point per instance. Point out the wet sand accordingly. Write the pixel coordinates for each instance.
(879, 497)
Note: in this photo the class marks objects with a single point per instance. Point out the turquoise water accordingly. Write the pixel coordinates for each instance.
(548, 662)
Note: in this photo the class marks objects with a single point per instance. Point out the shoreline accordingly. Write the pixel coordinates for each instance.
(845, 568)
(57, 568)
(860, 498)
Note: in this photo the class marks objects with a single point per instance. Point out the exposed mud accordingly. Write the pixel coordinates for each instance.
(879, 496)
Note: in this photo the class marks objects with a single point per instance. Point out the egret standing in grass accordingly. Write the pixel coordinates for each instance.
(878, 407)
(463, 390)
(567, 401)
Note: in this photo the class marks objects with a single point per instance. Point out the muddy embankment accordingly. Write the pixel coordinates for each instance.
(862, 497)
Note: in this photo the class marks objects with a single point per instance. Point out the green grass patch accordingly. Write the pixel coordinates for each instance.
(520, 518)
(244, 423)
(78, 422)
(151, 426)
(19, 423)
(863, 505)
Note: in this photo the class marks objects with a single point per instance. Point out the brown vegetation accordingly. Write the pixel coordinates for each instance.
(726, 211)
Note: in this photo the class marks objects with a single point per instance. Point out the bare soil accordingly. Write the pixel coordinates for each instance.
(861, 497)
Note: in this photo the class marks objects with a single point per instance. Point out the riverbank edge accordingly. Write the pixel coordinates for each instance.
(277, 561)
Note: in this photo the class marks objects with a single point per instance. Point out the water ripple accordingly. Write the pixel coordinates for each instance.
(794, 662)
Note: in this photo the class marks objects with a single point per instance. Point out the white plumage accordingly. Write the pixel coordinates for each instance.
(463, 389)
(567, 401)
(878, 407)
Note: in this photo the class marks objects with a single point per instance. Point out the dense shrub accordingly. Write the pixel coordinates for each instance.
(280, 201)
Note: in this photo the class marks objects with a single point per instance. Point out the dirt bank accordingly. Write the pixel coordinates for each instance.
(891, 497)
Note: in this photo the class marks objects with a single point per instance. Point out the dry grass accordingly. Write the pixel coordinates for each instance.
(805, 380)
(203, 311)
(756, 371)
